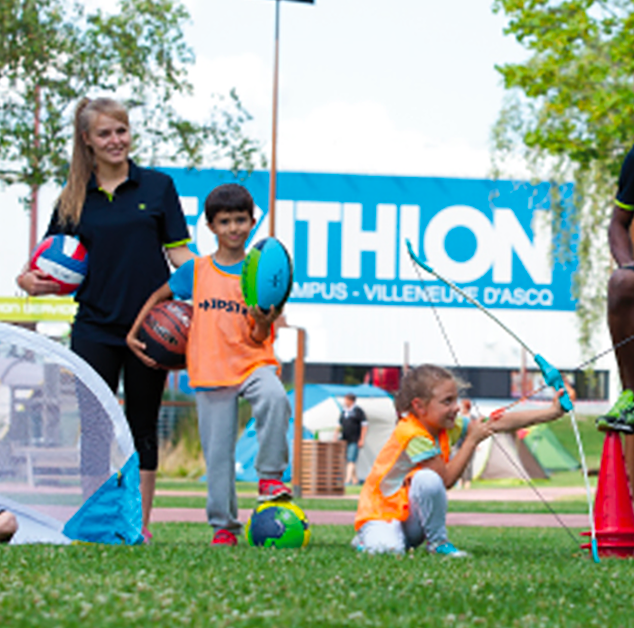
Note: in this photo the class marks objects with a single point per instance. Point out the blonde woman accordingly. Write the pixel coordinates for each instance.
(129, 218)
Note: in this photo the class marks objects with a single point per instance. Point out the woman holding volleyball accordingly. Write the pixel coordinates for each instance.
(128, 218)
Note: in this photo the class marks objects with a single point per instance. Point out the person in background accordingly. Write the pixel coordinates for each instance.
(466, 410)
(8, 526)
(352, 428)
(131, 222)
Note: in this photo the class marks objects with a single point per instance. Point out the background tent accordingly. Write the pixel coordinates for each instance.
(322, 407)
(247, 450)
(505, 457)
(547, 449)
(67, 457)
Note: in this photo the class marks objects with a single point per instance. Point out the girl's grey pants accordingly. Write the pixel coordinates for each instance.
(426, 521)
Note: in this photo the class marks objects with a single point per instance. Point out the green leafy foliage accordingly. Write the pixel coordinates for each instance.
(569, 114)
(53, 52)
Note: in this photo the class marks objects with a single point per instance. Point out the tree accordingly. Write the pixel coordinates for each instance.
(570, 115)
(53, 52)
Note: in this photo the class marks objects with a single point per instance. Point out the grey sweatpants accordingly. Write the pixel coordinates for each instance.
(426, 521)
(218, 428)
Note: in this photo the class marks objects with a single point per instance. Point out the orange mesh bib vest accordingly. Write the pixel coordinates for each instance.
(220, 351)
(374, 504)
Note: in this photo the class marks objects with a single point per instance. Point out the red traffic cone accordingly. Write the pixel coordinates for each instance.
(613, 511)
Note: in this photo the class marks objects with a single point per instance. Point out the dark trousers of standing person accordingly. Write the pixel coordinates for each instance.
(143, 390)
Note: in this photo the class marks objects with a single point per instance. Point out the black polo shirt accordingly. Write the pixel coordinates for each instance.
(124, 234)
(625, 192)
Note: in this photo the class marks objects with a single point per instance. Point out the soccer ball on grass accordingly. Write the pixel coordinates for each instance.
(277, 524)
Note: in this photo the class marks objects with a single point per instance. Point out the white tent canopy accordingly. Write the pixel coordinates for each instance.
(323, 405)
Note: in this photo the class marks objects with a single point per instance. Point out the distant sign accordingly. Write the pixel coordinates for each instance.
(37, 309)
(347, 236)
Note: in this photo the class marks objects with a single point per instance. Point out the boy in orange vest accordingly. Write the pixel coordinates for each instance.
(229, 355)
(404, 499)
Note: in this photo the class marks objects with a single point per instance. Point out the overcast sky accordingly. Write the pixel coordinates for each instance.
(366, 86)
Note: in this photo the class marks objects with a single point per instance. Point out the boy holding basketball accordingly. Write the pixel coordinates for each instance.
(229, 355)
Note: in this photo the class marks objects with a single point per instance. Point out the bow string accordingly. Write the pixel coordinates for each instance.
(551, 376)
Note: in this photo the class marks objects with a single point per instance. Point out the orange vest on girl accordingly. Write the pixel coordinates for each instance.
(374, 504)
(220, 351)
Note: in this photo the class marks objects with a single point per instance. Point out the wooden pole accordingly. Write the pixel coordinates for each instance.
(273, 172)
(299, 412)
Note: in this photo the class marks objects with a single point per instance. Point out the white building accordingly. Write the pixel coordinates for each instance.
(365, 304)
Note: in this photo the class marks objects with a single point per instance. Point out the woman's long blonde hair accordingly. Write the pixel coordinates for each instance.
(82, 163)
(420, 382)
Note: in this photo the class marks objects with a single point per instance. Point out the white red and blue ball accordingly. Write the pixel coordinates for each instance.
(63, 259)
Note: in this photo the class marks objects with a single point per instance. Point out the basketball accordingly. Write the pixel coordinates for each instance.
(267, 275)
(164, 332)
(277, 524)
(64, 259)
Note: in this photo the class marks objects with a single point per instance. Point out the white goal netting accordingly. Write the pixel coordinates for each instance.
(63, 433)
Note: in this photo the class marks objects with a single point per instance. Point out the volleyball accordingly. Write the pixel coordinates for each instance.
(64, 259)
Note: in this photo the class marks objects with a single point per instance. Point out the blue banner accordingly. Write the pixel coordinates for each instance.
(347, 236)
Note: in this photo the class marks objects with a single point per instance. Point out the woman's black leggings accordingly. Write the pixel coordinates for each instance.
(142, 388)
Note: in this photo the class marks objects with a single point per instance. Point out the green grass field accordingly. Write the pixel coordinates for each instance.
(525, 578)
(520, 578)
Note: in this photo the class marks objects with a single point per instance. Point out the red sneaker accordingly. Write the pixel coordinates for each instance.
(273, 491)
(224, 537)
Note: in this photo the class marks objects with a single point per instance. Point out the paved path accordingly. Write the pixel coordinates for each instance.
(488, 519)
(342, 517)
(510, 494)
(518, 494)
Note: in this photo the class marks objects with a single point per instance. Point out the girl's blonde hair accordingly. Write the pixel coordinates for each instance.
(420, 382)
(82, 163)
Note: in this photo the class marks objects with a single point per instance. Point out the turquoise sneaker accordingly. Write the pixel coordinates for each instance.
(446, 549)
(620, 417)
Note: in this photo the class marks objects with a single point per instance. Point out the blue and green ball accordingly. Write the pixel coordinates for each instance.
(267, 275)
(277, 524)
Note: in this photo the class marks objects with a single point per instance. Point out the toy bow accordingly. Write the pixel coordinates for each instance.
(551, 376)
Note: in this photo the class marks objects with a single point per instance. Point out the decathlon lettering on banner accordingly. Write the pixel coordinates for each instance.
(346, 235)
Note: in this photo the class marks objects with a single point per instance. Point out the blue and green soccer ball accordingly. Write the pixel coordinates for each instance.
(277, 524)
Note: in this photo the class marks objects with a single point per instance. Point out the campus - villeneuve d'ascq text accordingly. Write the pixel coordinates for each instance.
(419, 293)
